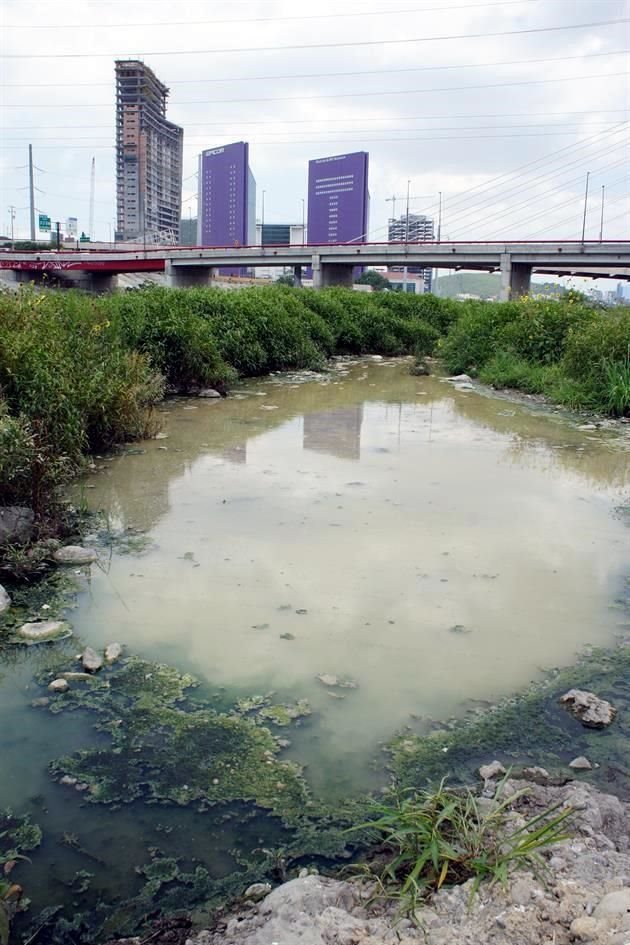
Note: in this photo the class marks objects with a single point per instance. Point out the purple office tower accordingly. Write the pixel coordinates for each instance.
(227, 197)
(338, 199)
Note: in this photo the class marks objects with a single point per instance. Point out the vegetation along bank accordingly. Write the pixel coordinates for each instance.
(79, 374)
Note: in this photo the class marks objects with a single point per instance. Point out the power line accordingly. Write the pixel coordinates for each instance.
(354, 131)
(528, 165)
(261, 19)
(315, 121)
(341, 45)
(516, 187)
(324, 75)
(111, 147)
(337, 95)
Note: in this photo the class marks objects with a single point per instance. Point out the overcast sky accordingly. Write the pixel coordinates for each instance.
(505, 126)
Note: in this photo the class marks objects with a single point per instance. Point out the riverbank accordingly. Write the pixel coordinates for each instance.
(581, 893)
(80, 374)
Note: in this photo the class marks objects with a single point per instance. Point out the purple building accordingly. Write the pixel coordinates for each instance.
(227, 197)
(338, 199)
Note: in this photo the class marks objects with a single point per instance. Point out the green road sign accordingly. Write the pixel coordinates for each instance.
(44, 222)
(84, 239)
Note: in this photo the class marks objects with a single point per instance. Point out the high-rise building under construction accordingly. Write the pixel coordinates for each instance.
(148, 157)
(412, 228)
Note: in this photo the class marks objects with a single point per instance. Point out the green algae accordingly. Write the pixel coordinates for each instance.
(262, 709)
(166, 749)
(530, 728)
(18, 836)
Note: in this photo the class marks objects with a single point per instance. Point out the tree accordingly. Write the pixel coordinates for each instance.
(285, 279)
(376, 279)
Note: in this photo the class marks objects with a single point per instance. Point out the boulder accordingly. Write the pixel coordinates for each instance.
(327, 679)
(44, 631)
(76, 677)
(17, 524)
(59, 685)
(113, 652)
(257, 890)
(460, 379)
(75, 554)
(614, 903)
(91, 660)
(5, 600)
(580, 763)
(588, 708)
(209, 393)
(492, 771)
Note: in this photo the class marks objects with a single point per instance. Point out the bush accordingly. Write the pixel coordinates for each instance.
(68, 385)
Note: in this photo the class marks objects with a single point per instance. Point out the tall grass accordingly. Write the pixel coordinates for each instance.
(80, 373)
(429, 839)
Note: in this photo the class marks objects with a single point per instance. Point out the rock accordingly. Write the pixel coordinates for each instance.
(44, 631)
(76, 677)
(376, 357)
(581, 763)
(588, 708)
(492, 771)
(59, 685)
(327, 679)
(257, 890)
(614, 903)
(585, 928)
(460, 379)
(113, 652)
(41, 702)
(16, 525)
(209, 393)
(536, 774)
(75, 554)
(91, 660)
(69, 780)
(5, 600)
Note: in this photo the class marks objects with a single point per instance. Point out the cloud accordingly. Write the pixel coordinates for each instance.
(475, 110)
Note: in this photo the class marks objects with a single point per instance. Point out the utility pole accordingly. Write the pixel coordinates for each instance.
(588, 174)
(262, 217)
(439, 233)
(58, 227)
(601, 221)
(31, 190)
(303, 224)
(92, 183)
(12, 213)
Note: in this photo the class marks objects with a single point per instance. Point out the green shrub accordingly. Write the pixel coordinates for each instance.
(164, 325)
(476, 336)
(540, 330)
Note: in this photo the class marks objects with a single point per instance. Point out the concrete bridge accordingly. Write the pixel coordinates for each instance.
(331, 264)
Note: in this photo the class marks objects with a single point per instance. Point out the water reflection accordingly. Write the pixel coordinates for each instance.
(390, 510)
(337, 432)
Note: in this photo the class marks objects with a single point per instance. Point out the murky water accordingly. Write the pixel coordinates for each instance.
(434, 545)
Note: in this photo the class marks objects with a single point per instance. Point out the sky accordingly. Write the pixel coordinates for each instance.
(502, 107)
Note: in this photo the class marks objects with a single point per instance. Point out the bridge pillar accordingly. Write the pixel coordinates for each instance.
(297, 276)
(185, 277)
(515, 278)
(100, 282)
(325, 274)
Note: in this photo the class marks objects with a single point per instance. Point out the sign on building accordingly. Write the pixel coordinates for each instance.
(72, 227)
